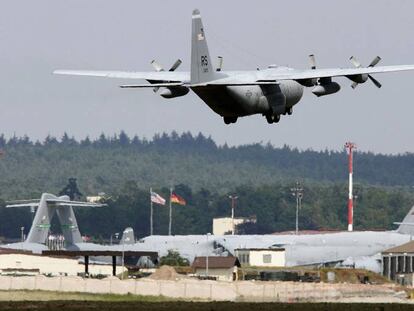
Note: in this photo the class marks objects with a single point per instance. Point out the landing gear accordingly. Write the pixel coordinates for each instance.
(289, 110)
(270, 118)
(229, 120)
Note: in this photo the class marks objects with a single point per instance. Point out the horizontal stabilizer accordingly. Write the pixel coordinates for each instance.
(33, 204)
(56, 203)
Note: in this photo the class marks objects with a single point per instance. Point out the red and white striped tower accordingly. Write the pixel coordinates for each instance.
(350, 147)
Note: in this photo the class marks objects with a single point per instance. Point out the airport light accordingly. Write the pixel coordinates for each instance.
(233, 199)
(297, 192)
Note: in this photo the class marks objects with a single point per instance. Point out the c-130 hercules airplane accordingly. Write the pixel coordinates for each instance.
(232, 94)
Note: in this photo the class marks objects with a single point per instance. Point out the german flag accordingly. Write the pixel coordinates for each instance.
(175, 198)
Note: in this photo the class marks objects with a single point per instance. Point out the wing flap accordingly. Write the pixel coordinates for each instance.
(151, 85)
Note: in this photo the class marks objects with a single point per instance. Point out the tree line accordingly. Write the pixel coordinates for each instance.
(28, 168)
(324, 207)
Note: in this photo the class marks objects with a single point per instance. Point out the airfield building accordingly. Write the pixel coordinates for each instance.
(398, 263)
(217, 267)
(261, 257)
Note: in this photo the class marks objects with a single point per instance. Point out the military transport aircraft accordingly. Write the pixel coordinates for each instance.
(231, 94)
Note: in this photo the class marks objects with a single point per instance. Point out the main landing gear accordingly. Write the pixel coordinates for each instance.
(270, 118)
(275, 118)
(229, 120)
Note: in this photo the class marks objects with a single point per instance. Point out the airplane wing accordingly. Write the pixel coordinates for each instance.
(179, 76)
(333, 72)
(273, 76)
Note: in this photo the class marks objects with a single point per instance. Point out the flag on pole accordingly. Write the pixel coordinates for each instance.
(156, 198)
(175, 198)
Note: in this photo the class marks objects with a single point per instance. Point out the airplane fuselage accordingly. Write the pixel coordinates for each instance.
(239, 101)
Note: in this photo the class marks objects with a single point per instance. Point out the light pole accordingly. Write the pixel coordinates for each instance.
(22, 233)
(208, 234)
(233, 199)
(297, 192)
(123, 251)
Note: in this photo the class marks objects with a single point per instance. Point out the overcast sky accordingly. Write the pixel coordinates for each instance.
(37, 37)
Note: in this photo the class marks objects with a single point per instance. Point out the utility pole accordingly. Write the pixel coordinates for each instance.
(233, 199)
(170, 221)
(350, 148)
(151, 214)
(297, 192)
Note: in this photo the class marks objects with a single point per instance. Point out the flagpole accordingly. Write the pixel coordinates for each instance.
(151, 214)
(169, 224)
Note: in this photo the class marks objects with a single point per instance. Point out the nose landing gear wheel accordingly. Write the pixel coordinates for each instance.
(289, 110)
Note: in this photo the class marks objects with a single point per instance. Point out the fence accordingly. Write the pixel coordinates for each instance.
(204, 290)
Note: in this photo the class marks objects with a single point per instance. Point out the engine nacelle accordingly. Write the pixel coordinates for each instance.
(174, 91)
(326, 89)
(358, 78)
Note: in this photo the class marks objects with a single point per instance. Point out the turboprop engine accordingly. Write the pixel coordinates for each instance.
(174, 91)
(326, 89)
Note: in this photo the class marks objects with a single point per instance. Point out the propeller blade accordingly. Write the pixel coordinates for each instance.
(157, 66)
(377, 84)
(375, 61)
(175, 65)
(354, 85)
(355, 62)
(312, 61)
(219, 63)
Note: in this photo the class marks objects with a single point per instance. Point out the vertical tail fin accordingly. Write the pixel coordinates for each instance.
(201, 68)
(128, 236)
(69, 224)
(407, 225)
(41, 222)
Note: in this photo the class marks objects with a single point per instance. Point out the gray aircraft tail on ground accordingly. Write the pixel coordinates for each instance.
(128, 236)
(407, 225)
(47, 206)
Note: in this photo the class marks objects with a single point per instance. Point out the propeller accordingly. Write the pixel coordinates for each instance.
(363, 78)
(158, 67)
(312, 61)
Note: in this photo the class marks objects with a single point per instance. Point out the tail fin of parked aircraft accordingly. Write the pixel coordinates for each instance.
(46, 207)
(201, 67)
(69, 225)
(128, 236)
(407, 225)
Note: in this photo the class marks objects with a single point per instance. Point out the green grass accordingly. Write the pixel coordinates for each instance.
(39, 295)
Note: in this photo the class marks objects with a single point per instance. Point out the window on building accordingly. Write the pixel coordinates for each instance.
(247, 258)
(267, 258)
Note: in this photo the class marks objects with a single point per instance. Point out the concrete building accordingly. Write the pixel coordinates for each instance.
(261, 257)
(224, 225)
(220, 268)
(398, 263)
(30, 264)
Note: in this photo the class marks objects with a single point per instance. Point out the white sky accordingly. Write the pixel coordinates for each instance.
(37, 37)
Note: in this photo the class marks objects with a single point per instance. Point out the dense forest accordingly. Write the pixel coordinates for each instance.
(204, 174)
